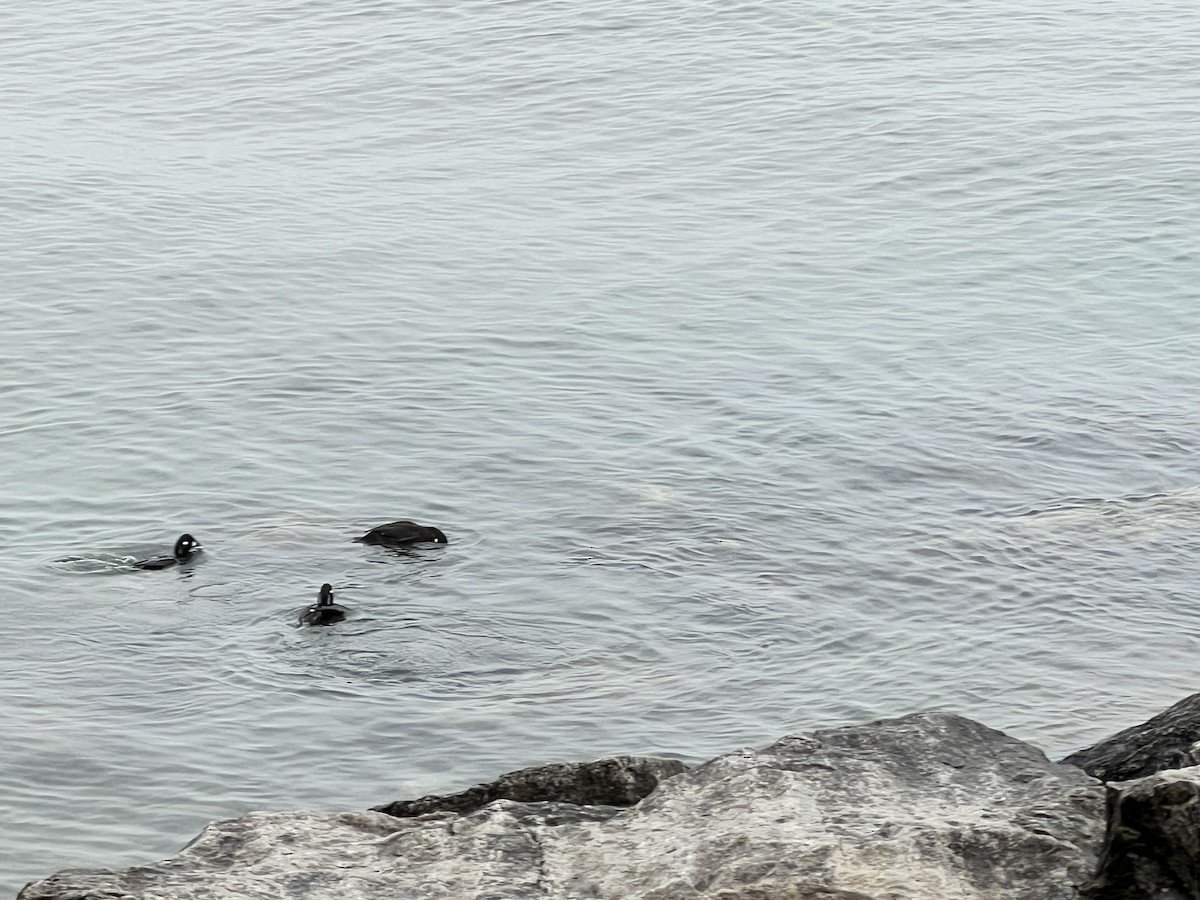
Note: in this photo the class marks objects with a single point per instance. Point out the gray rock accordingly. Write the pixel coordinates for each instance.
(1167, 741)
(615, 781)
(927, 806)
(1152, 846)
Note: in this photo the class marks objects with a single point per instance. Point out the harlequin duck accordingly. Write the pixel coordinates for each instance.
(324, 611)
(182, 552)
(402, 533)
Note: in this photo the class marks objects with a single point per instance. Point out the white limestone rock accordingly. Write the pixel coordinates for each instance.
(931, 805)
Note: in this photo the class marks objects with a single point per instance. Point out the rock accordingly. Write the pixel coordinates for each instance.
(616, 781)
(285, 854)
(930, 805)
(1167, 741)
(1152, 846)
(926, 806)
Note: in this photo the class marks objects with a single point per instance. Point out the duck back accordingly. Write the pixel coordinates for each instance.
(402, 533)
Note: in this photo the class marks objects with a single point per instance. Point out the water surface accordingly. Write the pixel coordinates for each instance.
(768, 367)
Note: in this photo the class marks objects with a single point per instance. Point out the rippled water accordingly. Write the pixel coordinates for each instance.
(769, 367)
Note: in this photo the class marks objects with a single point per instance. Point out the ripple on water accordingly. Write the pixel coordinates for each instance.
(838, 389)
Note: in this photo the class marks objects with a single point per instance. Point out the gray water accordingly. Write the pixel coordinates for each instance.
(769, 366)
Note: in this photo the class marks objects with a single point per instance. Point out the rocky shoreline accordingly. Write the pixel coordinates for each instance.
(930, 805)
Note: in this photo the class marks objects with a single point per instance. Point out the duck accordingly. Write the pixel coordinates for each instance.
(402, 533)
(324, 611)
(182, 552)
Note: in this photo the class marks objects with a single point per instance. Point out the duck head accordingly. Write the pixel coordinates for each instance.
(185, 545)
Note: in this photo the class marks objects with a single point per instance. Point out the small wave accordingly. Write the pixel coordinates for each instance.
(99, 564)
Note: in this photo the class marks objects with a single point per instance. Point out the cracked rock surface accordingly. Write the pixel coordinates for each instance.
(930, 805)
(1152, 847)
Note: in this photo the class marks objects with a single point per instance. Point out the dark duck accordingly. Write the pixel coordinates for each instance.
(182, 553)
(402, 534)
(324, 611)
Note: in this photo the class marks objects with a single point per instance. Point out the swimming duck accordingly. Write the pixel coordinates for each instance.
(402, 533)
(182, 552)
(324, 611)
